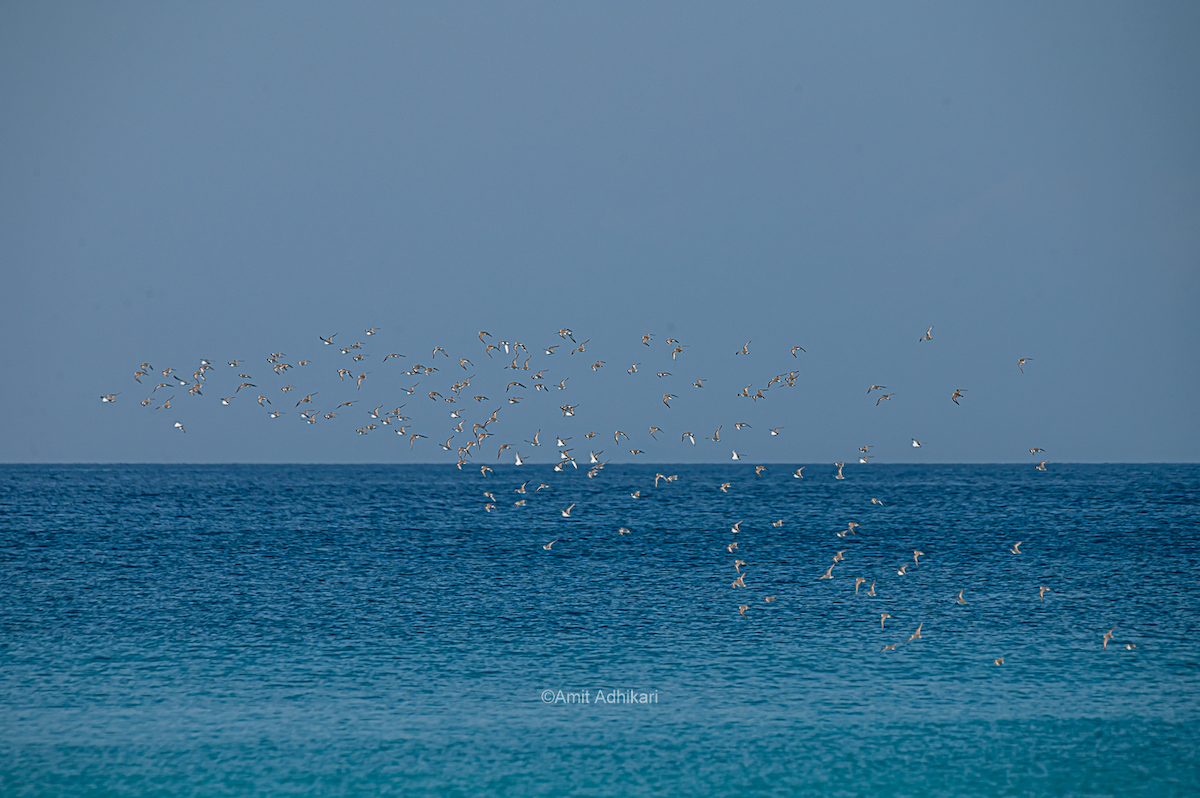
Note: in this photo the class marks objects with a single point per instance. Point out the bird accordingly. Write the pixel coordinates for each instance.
(567, 512)
(699, 383)
(688, 436)
(1041, 466)
(623, 531)
(928, 336)
(960, 599)
(1042, 590)
(903, 570)
(883, 616)
(1016, 547)
(775, 431)
(799, 474)
(739, 424)
(802, 349)
(716, 436)
(958, 392)
(1036, 449)
(725, 487)
(840, 466)
(745, 350)
(742, 609)
(882, 396)
(1107, 637)
(871, 592)
(877, 501)
(916, 443)
(737, 456)
(998, 661)
(916, 555)
(737, 527)
(617, 436)
(328, 341)
(547, 546)
(647, 338)
(109, 397)
(666, 397)
(889, 647)
(768, 599)
(917, 634)
(179, 426)
(858, 580)
(877, 388)
(1021, 361)
(828, 574)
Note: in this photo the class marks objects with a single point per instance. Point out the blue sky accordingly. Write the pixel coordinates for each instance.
(230, 180)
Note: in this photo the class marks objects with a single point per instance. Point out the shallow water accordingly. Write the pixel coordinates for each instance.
(234, 630)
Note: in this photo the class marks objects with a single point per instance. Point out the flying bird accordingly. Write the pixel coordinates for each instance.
(927, 337)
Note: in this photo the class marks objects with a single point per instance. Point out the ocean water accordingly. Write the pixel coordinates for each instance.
(345, 630)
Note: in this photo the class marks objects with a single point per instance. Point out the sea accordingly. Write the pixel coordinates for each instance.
(245, 630)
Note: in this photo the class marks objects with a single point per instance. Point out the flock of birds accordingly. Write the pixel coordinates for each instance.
(353, 372)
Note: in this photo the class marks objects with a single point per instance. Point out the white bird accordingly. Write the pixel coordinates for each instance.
(179, 426)
(520, 459)
(916, 443)
(567, 512)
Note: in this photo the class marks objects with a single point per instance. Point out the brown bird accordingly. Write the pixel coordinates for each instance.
(1021, 363)
(958, 392)
(858, 581)
(928, 336)
(917, 634)
(1107, 637)
(883, 616)
(1042, 590)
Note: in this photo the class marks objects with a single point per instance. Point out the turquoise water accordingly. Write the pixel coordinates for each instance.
(342, 630)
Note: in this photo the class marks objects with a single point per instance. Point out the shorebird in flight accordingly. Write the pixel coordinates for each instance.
(1036, 449)
(883, 616)
(1042, 465)
(802, 349)
(688, 436)
(883, 396)
(928, 336)
(1021, 363)
(958, 392)
(917, 634)
(916, 443)
(547, 546)
(109, 397)
(745, 350)
(1042, 591)
(799, 472)
(1107, 637)
(1016, 547)
(960, 599)
(998, 661)
(567, 512)
(328, 341)
(877, 388)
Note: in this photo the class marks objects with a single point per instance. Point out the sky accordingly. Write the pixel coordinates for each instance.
(231, 180)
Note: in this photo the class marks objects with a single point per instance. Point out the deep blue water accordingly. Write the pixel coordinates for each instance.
(238, 630)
